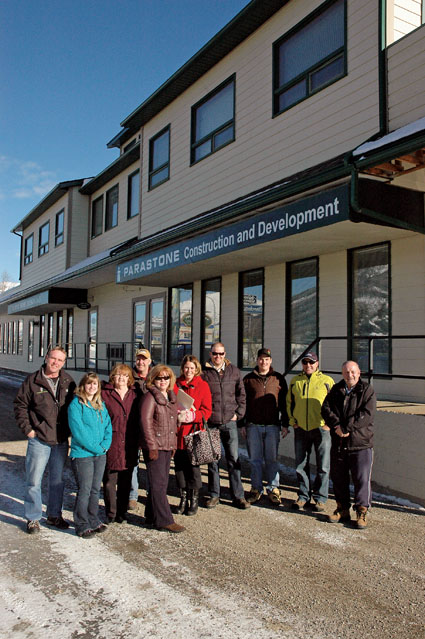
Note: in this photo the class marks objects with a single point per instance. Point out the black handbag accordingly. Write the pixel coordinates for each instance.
(203, 446)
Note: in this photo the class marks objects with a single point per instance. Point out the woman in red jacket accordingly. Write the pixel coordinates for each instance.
(120, 399)
(189, 477)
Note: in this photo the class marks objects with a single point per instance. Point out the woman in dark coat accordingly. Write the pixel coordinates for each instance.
(188, 477)
(120, 399)
(158, 424)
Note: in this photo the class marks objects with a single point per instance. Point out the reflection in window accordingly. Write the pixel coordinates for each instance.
(133, 194)
(180, 333)
(111, 209)
(59, 328)
(42, 335)
(59, 227)
(159, 158)
(370, 305)
(31, 340)
(70, 332)
(20, 337)
(302, 296)
(28, 249)
(97, 217)
(210, 315)
(43, 239)
(149, 326)
(251, 313)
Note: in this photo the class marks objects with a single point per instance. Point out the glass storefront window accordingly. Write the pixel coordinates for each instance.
(210, 315)
(180, 323)
(251, 308)
(302, 300)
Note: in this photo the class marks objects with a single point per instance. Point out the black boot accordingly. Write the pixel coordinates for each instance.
(194, 499)
(183, 502)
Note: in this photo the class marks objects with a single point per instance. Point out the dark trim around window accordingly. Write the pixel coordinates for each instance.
(28, 251)
(97, 217)
(111, 208)
(130, 200)
(159, 172)
(43, 243)
(59, 227)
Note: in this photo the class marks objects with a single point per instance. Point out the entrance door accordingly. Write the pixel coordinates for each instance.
(149, 325)
(92, 354)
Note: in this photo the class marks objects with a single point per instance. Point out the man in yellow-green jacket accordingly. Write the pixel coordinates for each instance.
(306, 394)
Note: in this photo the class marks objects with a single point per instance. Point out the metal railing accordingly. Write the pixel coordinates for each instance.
(369, 354)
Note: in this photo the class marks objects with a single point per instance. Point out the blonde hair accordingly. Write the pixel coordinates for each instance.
(156, 371)
(194, 360)
(125, 370)
(80, 391)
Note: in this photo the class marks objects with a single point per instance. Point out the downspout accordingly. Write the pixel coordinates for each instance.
(20, 255)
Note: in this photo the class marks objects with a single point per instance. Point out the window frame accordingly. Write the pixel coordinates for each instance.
(242, 274)
(307, 74)
(108, 194)
(194, 143)
(43, 248)
(98, 200)
(166, 165)
(288, 299)
(131, 215)
(28, 257)
(59, 235)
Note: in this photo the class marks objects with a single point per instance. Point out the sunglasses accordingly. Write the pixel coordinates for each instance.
(216, 353)
(166, 378)
(307, 361)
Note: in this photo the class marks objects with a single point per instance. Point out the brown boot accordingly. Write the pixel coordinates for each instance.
(361, 522)
(341, 514)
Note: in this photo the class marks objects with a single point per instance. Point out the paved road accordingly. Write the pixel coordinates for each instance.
(264, 573)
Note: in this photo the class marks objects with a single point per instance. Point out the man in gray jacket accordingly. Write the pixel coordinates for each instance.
(41, 412)
(228, 406)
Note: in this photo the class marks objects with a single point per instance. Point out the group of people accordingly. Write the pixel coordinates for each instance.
(138, 410)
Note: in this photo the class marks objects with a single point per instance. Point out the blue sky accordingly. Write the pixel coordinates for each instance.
(70, 72)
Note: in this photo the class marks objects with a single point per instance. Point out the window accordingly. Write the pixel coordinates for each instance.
(20, 337)
(149, 325)
(49, 331)
(210, 315)
(70, 332)
(97, 217)
(43, 239)
(30, 340)
(159, 158)
(28, 249)
(180, 324)
(111, 208)
(213, 121)
(59, 328)
(1, 337)
(251, 312)
(310, 57)
(42, 335)
(133, 194)
(302, 294)
(369, 270)
(14, 337)
(59, 227)
(9, 337)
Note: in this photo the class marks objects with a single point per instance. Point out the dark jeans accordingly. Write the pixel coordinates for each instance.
(158, 511)
(116, 491)
(305, 440)
(230, 442)
(359, 463)
(187, 476)
(88, 472)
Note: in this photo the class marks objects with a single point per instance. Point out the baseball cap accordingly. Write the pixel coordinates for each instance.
(265, 352)
(311, 355)
(143, 352)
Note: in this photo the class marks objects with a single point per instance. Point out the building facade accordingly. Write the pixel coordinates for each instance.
(271, 192)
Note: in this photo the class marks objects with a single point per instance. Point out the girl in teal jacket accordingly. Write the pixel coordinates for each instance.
(91, 436)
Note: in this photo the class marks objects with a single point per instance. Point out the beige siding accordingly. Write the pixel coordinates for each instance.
(125, 229)
(406, 79)
(266, 149)
(403, 16)
(53, 262)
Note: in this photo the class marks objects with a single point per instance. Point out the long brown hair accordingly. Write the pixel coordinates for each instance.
(80, 391)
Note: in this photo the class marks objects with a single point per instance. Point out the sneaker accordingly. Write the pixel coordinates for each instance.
(33, 527)
(173, 528)
(274, 496)
(361, 522)
(253, 496)
(86, 534)
(132, 504)
(242, 504)
(297, 505)
(318, 507)
(212, 502)
(57, 522)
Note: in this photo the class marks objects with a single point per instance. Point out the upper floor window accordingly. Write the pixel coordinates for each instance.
(111, 208)
(213, 121)
(59, 226)
(133, 194)
(310, 57)
(28, 249)
(159, 158)
(43, 239)
(97, 217)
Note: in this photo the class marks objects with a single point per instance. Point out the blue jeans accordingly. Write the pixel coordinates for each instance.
(263, 443)
(40, 455)
(305, 440)
(230, 443)
(88, 472)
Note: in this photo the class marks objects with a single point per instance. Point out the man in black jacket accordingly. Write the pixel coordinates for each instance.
(349, 410)
(41, 412)
(228, 407)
